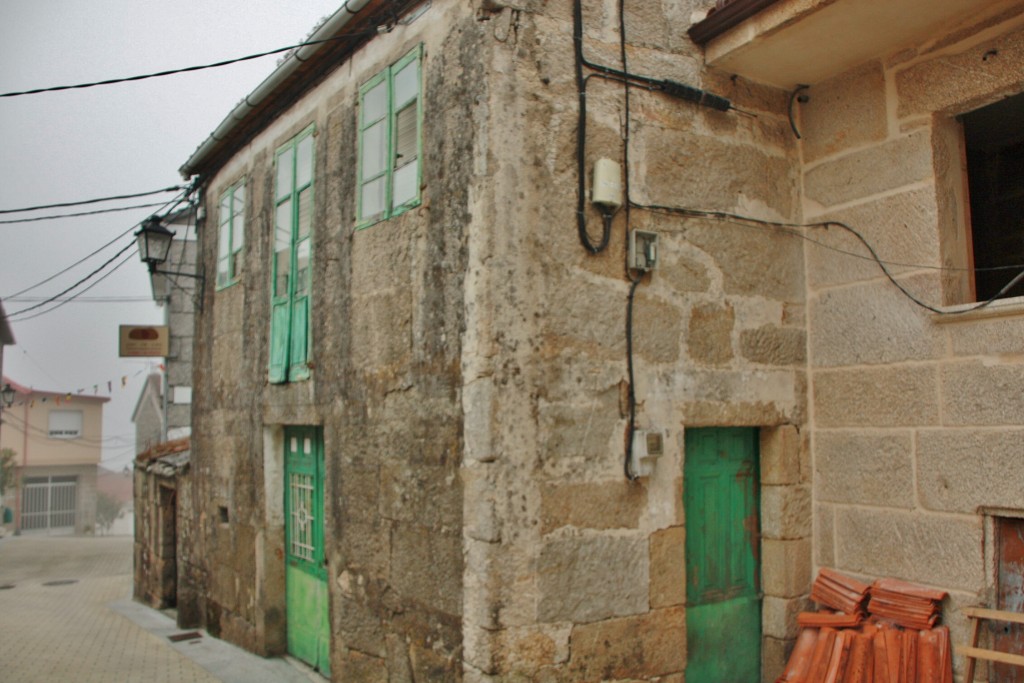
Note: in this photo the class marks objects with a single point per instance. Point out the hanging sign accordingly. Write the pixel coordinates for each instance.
(143, 340)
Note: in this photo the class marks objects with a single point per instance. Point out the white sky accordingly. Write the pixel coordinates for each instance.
(110, 140)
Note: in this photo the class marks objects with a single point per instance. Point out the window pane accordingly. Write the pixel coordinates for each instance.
(374, 151)
(305, 212)
(304, 162)
(407, 83)
(405, 136)
(222, 272)
(238, 233)
(224, 240)
(283, 248)
(373, 198)
(225, 209)
(375, 103)
(302, 268)
(284, 173)
(405, 185)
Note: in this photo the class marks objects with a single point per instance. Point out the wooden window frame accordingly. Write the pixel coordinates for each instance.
(392, 164)
(290, 334)
(230, 254)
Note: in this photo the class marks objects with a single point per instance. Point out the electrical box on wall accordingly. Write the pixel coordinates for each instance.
(648, 446)
(606, 192)
(643, 250)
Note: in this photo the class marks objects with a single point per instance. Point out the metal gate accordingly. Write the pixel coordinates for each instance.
(49, 503)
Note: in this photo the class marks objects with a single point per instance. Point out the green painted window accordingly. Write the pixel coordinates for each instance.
(390, 144)
(231, 236)
(293, 234)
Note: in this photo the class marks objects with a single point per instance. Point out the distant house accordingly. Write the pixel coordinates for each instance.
(58, 441)
(148, 416)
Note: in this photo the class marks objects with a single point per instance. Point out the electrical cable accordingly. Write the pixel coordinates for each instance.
(80, 214)
(790, 228)
(188, 69)
(106, 263)
(631, 426)
(85, 299)
(64, 205)
(64, 302)
(86, 258)
(634, 282)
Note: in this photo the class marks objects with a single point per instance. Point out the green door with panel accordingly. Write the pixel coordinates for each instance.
(309, 632)
(723, 570)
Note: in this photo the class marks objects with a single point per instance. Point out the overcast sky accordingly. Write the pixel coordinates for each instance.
(105, 141)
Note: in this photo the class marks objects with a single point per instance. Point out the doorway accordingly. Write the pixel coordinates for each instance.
(306, 597)
(721, 498)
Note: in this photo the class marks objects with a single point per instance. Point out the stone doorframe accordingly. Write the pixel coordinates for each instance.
(270, 583)
(786, 528)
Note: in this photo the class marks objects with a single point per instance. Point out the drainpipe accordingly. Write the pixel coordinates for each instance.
(334, 24)
(165, 381)
(24, 465)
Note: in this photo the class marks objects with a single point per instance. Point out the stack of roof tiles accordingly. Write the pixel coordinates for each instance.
(883, 633)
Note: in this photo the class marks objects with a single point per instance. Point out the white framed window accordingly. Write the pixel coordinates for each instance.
(65, 424)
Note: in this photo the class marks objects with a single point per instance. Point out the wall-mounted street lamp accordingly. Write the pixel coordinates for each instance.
(154, 242)
(7, 395)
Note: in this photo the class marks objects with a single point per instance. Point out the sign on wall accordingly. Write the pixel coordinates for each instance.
(143, 340)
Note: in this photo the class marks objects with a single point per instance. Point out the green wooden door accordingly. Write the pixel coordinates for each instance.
(309, 632)
(723, 572)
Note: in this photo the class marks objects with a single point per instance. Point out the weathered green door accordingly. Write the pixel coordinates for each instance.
(723, 572)
(305, 573)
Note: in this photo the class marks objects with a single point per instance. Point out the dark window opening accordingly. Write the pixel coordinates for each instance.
(994, 140)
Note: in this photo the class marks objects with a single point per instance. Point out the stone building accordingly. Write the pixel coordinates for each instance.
(441, 431)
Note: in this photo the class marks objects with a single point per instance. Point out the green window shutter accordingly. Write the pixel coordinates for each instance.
(389, 141)
(290, 272)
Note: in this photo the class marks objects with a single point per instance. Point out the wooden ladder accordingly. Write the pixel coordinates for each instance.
(974, 653)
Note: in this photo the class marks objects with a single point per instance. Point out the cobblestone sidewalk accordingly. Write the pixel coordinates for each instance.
(66, 614)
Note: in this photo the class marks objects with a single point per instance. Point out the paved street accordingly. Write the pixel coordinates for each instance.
(66, 614)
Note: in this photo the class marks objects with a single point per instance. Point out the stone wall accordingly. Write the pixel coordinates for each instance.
(470, 356)
(387, 319)
(916, 415)
(572, 572)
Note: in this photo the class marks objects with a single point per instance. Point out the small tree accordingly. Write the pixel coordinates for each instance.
(7, 465)
(107, 510)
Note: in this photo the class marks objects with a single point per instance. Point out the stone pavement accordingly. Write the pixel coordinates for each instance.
(66, 614)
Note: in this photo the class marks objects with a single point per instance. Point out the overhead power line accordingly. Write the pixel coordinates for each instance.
(200, 67)
(80, 214)
(174, 188)
(76, 285)
(65, 301)
(169, 205)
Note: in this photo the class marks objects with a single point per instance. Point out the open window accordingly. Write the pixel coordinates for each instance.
(994, 146)
(390, 145)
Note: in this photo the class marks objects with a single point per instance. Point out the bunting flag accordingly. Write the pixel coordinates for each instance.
(60, 397)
